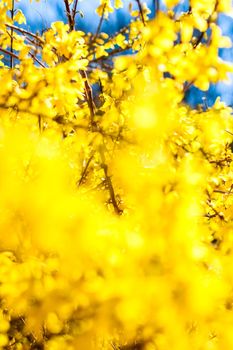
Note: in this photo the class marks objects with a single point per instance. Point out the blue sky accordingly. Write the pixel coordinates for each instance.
(41, 14)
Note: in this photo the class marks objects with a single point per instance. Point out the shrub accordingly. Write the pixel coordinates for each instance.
(116, 197)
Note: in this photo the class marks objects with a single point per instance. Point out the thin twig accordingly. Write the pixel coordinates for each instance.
(37, 60)
(40, 123)
(74, 11)
(84, 172)
(199, 40)
(12, 12)
(31, 41)
(123, 30)
(108, 180)
(88, 89)
(141, 11)
(229, 132)
(222, 192)
(23, 31)
(89, 97)
(216, 213)
(187, 86)
(12, 54)
(201, 36)
(30, 53)
(69, 15)
(111, 53)
(99, 25)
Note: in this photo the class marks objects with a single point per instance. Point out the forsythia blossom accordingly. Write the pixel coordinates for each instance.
(116, 197)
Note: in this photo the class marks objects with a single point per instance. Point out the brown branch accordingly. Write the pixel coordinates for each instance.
(187, 86)
(84, 172)
(32, 41)
(141, 11)
(222, 192)
(36, 59)
(69, 15)
(117, 210)
(108, 180)
(40, 123)
(88, 89)
(12, 54)
(229, 132)
(12, 12)
(89, 97)
(201, 36)
(111, 53)
(199, 40)
(74, 11)
(123, 30)
(99, 25)
(216, 213)
(140, 345)
(23, 31)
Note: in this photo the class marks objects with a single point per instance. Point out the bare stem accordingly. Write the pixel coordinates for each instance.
(74, 11)
(110, 54)
(36, 59)
(110, 187)
(89, 97)
(23, 31)
(141, 11)
(84, 172)
(69, 15)
(88, 89)
(12, 12)
(100, 24)
(201, 36)
(12, 54)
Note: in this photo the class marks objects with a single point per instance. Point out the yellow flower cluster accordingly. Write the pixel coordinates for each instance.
(116, 225)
